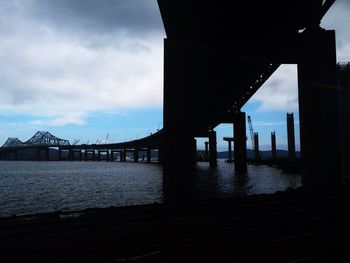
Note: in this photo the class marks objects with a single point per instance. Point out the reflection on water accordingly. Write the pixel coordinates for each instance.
(223, 181)
(35, 187)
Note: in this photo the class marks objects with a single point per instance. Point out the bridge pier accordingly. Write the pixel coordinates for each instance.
(318, 110)
(112, 156)
(291, 137)
(123, 155)
(59, 154)
(240, 142)
(212, 149)
(93, 155)
(256, 148)
(136, 156)
(273, 146)
(206, 145)
(229, 144)
(148, 155)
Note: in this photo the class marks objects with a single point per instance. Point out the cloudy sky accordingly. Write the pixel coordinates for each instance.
(83, 69)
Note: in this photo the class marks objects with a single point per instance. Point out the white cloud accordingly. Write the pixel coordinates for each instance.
(279, 92)
(48, 74)
(60, 121)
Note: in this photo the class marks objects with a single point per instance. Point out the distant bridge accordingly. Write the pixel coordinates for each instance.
(41, 138)
(42, 141)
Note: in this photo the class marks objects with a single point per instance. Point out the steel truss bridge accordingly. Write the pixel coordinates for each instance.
(39, 147)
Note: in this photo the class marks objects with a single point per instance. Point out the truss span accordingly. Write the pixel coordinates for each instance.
(41, 138)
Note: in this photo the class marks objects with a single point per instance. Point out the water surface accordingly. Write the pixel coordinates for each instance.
(28, 187)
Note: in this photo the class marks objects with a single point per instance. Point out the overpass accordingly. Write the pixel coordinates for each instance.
(217, 54)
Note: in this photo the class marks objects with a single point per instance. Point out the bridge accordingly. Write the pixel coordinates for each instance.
(42, 141)
(214, 62)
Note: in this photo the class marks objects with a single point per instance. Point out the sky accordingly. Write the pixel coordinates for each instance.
(93, 70)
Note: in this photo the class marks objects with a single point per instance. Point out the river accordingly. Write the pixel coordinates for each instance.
(28, 187)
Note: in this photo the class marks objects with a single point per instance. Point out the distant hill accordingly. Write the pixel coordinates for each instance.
(263, 154)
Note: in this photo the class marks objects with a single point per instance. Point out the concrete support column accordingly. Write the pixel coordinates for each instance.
(136, 156)
(256, 147)
(291, 137)
(229, 151)
(148, 155)
(80, 155)
(85, 155)
(59, 154)
(107, 156)
(273, 146)
(178, 131)
(124, 155)
(240, 142)
(16, 155)
(206, 149)
(94, 155)
(212, 149)
(318, 111)
(344, 102)
(195, 150)
(98, 155)
(112, 156)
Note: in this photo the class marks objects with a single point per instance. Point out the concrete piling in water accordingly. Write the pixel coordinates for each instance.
(273, 146)
(240, 142)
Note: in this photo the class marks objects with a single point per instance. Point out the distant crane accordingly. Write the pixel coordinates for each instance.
(107, 138)
(76, 141)
(251, 131)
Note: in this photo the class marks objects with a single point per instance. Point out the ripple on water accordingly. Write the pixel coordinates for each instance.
(37, 187)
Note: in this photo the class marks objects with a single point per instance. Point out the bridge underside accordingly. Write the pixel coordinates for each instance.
(214, 62)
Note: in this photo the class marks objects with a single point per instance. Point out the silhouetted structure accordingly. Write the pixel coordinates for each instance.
(273, 146)
(291, 136)
(256, 148)
(212, 67)
(229, 142)
(344, 107)
(42, 142)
